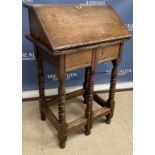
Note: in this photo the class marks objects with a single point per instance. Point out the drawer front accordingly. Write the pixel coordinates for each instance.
(107, 52)
(84, 58)
(78, 59)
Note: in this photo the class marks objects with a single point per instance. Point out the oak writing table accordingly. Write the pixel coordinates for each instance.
(71, 37)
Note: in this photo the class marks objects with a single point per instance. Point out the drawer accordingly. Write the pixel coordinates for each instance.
(84, 58)
(107, 53)
(78, 59)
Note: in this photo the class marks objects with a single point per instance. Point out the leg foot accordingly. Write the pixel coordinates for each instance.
(62, 136)
(87, 132)
(62, 145)
(88, 127)
(43, 116)
(108, 119)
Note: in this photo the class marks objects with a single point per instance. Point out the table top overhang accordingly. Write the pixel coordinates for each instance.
(72, 26)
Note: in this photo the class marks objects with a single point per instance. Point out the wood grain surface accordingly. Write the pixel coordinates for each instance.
(70, 26)
(71, 37)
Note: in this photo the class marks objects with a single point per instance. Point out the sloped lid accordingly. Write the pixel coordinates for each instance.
(70, 26)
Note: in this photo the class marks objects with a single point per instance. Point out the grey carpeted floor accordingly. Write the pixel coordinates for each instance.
(40, 137)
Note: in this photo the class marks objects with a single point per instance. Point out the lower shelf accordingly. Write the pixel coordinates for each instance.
(82, 121)
(79, 122)
(101, 112)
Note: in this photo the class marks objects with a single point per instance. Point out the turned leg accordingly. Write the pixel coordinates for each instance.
(89, 102)
(61, 113)
(40, 74)
(111, 101)
(85, 84)
(62, 133)
(90, 92)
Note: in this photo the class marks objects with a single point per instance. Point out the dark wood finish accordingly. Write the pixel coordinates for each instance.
(76, 124)
(111, 101)
(101, 112)
(74, 94)
(120, 53)
(52, 100)
(50, 115)
(62, 133)
(55, 99)
(114, 74)
(90, 90)
(67, 26)
(66, 37)
(85, 84)
(99, 100)
(40, 74)
(80, 122)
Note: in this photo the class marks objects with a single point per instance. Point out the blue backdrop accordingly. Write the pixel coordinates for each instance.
(125, 10)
